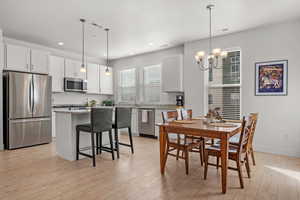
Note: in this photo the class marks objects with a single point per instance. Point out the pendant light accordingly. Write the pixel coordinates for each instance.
(214, 55)
(107, 72)
(83, 67)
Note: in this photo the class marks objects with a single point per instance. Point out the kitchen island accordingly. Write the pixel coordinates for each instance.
(65, 125)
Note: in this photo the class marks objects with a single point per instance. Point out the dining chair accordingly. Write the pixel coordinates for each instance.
(123, 120)
(180, 143)
(235, 140)
(237, 153)
(187, 114)
(101, 121)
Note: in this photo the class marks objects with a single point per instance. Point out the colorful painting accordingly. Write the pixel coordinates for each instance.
(271, 78)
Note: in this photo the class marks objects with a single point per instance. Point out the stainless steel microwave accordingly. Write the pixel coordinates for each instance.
(75, 85)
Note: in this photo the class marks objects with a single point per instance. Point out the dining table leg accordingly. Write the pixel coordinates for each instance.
(162, 148)
(224, 161)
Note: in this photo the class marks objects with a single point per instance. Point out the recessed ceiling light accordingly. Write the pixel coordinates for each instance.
(150, 44)
(60, 43)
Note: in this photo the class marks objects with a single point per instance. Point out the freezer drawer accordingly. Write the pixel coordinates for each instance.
(28, 132)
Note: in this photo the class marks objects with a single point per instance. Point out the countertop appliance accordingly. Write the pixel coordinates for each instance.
(146, 122)
(75, 85)
(27, 109)
(180, 100)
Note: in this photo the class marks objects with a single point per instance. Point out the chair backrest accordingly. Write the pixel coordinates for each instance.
(247, 125)
(254, 117)
(123, 117)
(169, 116)
(186, 114)
(101, 119)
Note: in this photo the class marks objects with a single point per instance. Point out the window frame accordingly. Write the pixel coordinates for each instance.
(206, 84)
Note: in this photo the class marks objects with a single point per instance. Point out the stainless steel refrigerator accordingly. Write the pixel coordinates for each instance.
(27, 109)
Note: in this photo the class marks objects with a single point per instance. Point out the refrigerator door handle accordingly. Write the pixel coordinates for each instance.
(32, 95)
(29, 120)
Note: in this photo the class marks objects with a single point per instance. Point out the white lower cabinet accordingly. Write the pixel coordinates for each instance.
(134, 122)
(53, 124)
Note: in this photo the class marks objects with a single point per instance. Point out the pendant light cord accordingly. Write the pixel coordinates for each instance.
(107, 29)
(83, 34)
(210, 33)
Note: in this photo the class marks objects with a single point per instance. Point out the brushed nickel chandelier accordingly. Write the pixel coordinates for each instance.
(216, 57)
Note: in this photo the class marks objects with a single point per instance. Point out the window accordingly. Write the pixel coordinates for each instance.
(127, 86)
(152, 84)
(224, 87)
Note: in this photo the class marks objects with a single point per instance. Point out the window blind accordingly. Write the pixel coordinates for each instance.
(127, 86)
(152, 84)
(224, 87)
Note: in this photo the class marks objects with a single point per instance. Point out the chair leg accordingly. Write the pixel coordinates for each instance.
(93, 149)
(248, 166)
(252, 155)
(200, 152)
(100, 142)
(117, 143)
(111, 145)
(178, 142)
(240, 173)
(218, 161)
(206, 157)
(77, 143)
(130, 138)
(186, 158)
(97, 143)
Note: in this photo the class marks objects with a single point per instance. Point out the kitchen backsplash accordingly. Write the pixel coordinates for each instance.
(76, 98)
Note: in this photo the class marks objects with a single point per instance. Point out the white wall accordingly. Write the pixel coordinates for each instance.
(64, 98)
(278, 128)
(148, 59)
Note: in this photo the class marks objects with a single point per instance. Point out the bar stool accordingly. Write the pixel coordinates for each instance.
(123, 120)
(101, 121)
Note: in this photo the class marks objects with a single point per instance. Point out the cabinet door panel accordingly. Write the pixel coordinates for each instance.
(56, 70)
(93, 84)
(17, 58)
(73, 69)
(39, 61)
(106, 81)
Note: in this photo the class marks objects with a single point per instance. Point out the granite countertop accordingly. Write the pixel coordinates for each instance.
(136, 106)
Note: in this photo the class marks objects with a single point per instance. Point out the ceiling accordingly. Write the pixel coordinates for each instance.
(137, 26)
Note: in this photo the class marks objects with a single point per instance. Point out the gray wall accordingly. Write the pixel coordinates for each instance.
(278, 128)
(147, 59)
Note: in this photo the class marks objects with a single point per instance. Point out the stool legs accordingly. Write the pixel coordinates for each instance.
(100, 142)
(117, 142)
(111, 145)
(97, 143)
(77, 143)
(130, 138)
(93, 149)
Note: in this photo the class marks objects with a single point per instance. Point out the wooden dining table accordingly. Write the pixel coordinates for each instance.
(198, 127)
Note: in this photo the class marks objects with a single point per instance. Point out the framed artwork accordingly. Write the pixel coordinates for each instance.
(271, 78)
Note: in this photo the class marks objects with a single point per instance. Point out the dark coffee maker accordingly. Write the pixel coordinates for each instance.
(179, 100)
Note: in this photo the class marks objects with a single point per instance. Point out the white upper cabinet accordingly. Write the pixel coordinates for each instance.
(73, 69)
(17, 58)
(20, 58)
(93, 78)
(57, 71)
(172, 74)
(39, 61)
(106, 81)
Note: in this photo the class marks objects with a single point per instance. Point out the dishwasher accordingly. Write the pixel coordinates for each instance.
(146, 120)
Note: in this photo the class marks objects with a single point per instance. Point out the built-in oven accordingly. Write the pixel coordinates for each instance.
(75, 85)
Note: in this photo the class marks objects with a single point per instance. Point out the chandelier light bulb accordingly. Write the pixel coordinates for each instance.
(200, 54)
(216, 52)
(224, 54)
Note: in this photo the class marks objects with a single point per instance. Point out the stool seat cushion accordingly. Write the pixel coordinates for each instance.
(84, 127)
